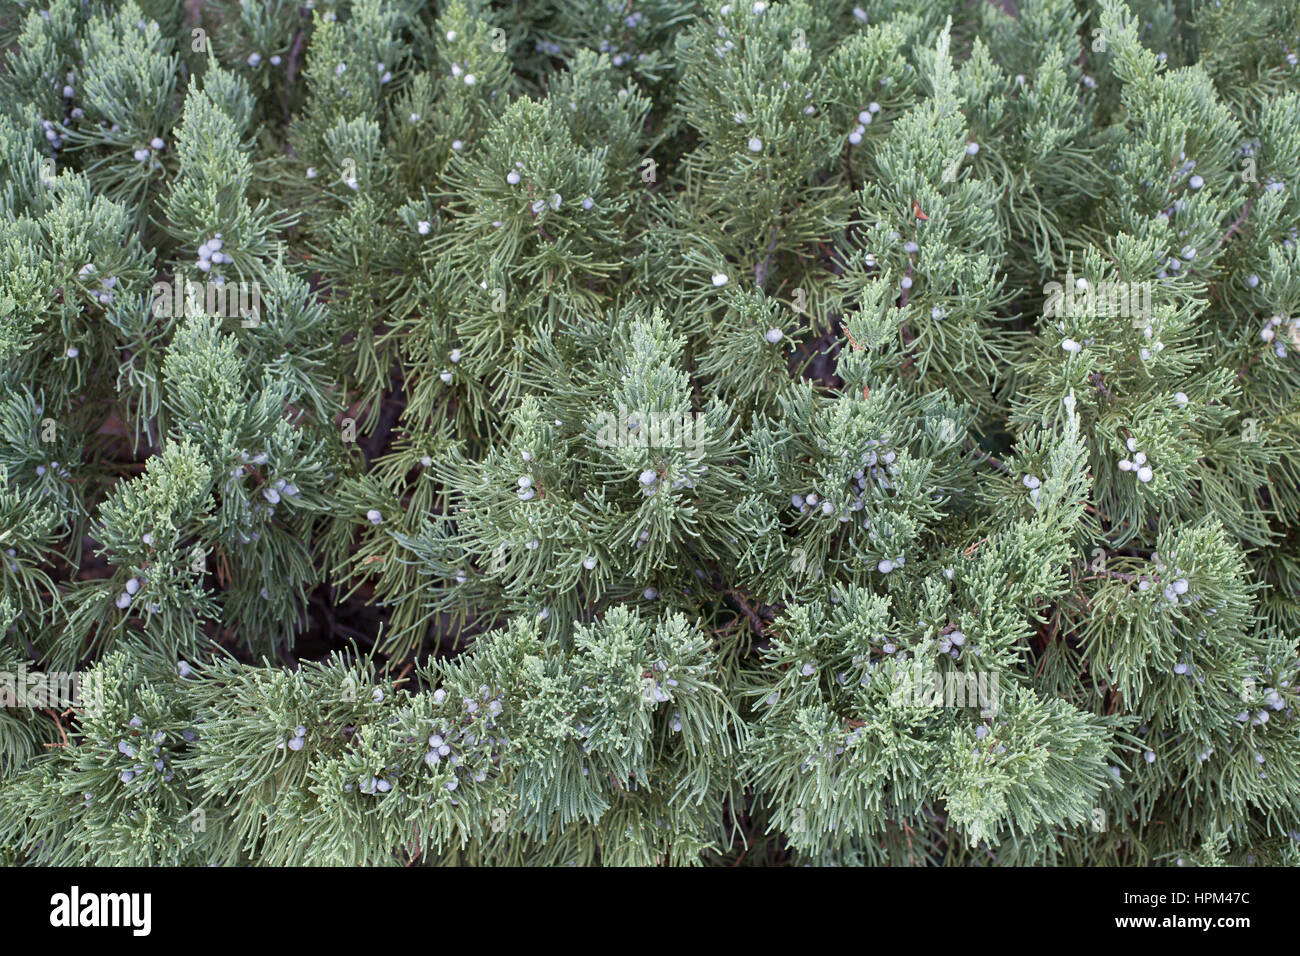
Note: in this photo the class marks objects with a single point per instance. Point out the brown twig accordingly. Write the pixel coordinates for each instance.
(908, 831)
(295, 51)
(58, 723)
(755, 621)
(848, 168)
(1101, 385)
(1233, 228)
(760, 270)
(995, 462)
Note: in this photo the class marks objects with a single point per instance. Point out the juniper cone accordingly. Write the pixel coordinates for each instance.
(804, 432)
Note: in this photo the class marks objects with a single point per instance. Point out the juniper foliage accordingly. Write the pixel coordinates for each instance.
(816, 431)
